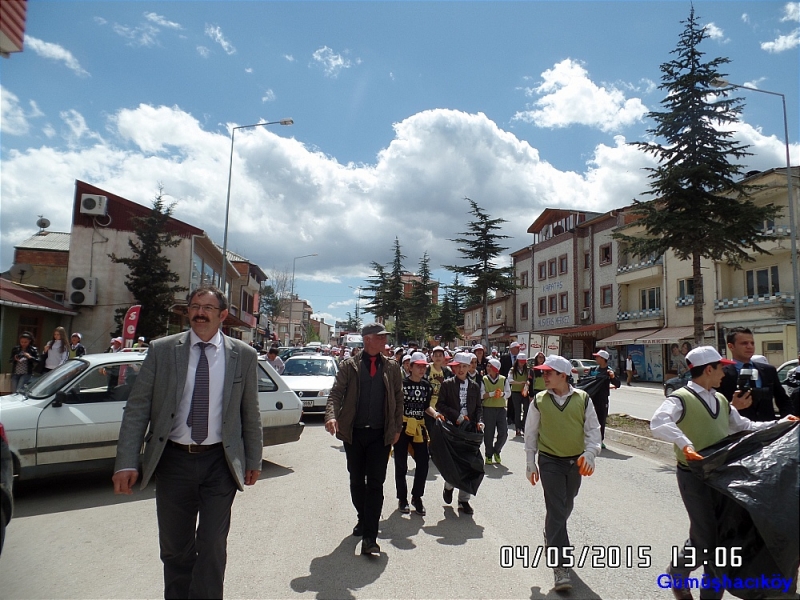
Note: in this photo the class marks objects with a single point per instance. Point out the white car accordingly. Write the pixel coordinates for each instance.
(582, 366)
(311, 376)
(68, 420)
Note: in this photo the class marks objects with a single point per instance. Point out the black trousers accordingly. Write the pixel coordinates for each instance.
(194, 551)
(560, 483)
(701, 502)
(519, 407)
(401, 466)
(601, 408)
(367, 459)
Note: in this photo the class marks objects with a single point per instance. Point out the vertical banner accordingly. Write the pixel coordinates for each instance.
(535, 345)
(129, 325)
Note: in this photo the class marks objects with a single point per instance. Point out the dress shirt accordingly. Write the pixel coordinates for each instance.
(181, 432)
(506, 389)
(462, 397)
(664, 422)
(591, 427)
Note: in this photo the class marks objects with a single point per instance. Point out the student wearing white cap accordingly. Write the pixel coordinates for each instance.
(437, 372)
(692, 418)
(76, 349)
(406, 364)
(480, 353)
(495, 392)
(518, 378)
(562, 428)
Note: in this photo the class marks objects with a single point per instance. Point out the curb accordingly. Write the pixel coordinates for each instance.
(657, 447)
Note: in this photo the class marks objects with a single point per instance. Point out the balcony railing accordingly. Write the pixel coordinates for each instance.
(685, 301)
(648, 313)
(777, 229)
(644, 264)
(776, 299)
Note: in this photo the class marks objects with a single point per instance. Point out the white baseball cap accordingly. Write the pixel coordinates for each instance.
(514, 345)
(602, 354)
(522, 356)
(461, 358)
(437, 349)
(493, 362)
(705, 355)
(555, 363)
(478, 347)
(418, 358)
(406, 357)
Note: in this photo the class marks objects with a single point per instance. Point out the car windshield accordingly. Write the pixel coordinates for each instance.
(53, 381)
(309, 366)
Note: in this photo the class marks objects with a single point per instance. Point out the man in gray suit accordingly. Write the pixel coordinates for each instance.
(198, 392)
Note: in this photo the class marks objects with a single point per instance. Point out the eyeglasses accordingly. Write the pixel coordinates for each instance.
(203, 307)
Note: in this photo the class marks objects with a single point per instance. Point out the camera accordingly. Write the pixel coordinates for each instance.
(745, 381)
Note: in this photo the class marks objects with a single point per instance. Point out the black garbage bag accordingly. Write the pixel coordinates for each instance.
(757, 475)
(456, 452)
(592, 384)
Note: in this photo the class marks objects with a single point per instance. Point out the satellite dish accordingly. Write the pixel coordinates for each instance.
(43, 223)
(20, 271)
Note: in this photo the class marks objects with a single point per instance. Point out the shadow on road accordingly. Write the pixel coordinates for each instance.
(335, 576)
(611, 454)
(579, 590)
(270, 470)
(497, 471)
(455, 529)
(398, 529)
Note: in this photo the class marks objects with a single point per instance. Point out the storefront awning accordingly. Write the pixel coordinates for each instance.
(623, 338)
(475, 335)
(671, 335)
(583, 331)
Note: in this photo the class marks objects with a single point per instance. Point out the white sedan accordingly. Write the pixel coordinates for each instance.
(311, 376)
(68, 420)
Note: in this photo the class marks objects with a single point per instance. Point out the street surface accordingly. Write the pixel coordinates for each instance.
(638, 400)
(290, 535)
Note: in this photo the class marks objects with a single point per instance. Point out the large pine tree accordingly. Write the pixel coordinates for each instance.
(420, 303)
(150, 278)
(697, 163)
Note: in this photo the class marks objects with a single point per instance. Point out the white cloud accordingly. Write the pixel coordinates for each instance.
(13, 120)
(35, 110)
(331, 62)
(55, 52)
(203, 51)
(289, 57)
(755, 82)
(342, 303)
(100, 20)
(77, 129)
(716, 33)
(569, 97)
(268, 96)
(215, 33)
(783, 42)
(327, 317)
(145, 35)
(49, 130)
(248, 70)
(791, 12)
(745, 18)
(161, 21)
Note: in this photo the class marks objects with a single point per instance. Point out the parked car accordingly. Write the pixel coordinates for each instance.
(68, 420)
(311, 376)
(670, 385)
(582, 366)
(6, 485)
(289, 352)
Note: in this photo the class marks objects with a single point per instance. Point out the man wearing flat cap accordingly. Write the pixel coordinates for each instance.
(365, 411)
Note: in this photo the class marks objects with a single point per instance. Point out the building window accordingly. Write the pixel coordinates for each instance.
(606, 296)
(551, 268)
(562, 264)
(685, 287)
(587, 260)
(552, 303)
(587, 298)
(762, 282)
(563, 302)
(605, 254)
(650, 298)
(469, 321)
(542, 271)
(523, 279)
(523, 311)
(542, 306)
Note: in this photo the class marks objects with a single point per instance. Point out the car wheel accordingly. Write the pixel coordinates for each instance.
(668, 390)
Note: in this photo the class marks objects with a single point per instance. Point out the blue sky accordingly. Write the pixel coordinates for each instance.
(401, 110)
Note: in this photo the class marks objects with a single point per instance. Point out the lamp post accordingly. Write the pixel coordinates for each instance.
(291, 297)
(358, 302)
(228, 199)
(722, 83)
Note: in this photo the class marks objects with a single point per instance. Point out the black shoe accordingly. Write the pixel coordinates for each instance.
(419, 508)
(681, 593)
(465, 508)
(403, 507)
(370, 546)
(358, 530)
(448, 496)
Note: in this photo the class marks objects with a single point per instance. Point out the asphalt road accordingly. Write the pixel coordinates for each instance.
(638, 400)
(290, 536)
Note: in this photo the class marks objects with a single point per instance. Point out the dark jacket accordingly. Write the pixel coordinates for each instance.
(32, 362)
(344, 395)
(771, 389)
(601, 393)
(450, 405)
(506, 362)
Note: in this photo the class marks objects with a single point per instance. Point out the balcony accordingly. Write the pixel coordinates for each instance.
(651, 267)
(776, 300)
(638, 315)
(776, 229)
(685, 301)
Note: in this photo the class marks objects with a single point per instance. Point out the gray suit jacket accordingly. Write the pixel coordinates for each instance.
(157, 392)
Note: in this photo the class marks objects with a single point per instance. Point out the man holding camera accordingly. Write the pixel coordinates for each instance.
(752, 396)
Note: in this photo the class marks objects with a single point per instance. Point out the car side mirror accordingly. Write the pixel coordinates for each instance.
(60, 399)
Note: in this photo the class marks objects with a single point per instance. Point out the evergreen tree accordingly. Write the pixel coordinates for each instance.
(688, 213)
(150, 277)
(481, 248)
(395, 295)
(420, 304)
(376, 290)
(447, 322)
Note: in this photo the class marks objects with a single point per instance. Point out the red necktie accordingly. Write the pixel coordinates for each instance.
(372, 367)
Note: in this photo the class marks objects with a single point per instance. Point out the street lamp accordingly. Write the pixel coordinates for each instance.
(358, 301)
(291, 298)
(718, 82)
(228, 200)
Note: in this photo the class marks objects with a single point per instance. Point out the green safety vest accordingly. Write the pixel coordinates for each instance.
(561, 427)
(703, 428)
(490, 388)
(518, 380)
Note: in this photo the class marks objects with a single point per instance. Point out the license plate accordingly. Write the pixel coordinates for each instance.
(308, 403)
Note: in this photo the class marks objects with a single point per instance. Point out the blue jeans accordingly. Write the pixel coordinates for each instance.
(19, 381)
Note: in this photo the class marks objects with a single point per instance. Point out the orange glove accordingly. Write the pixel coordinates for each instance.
(586, 464)
(497, 393)
(690, 453)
